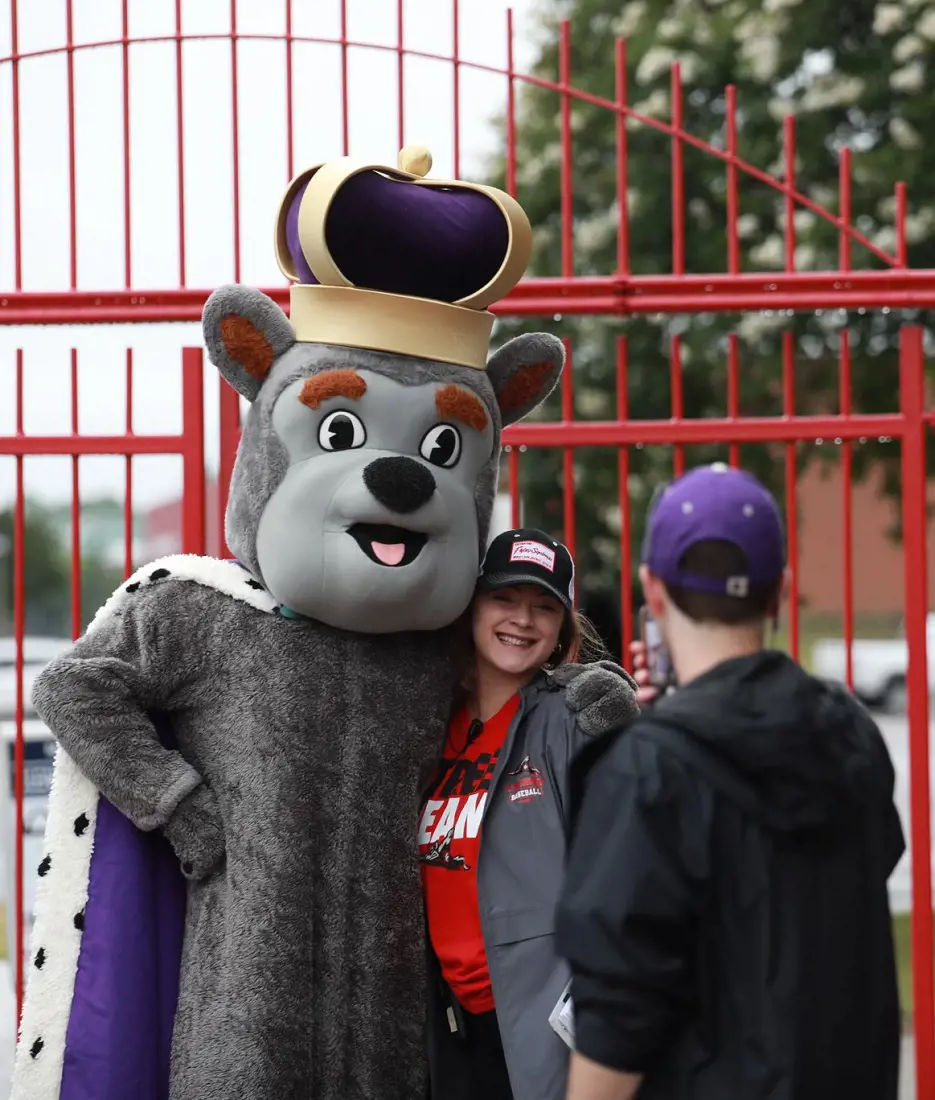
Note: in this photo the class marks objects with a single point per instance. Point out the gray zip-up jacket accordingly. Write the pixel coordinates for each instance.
(520, 871)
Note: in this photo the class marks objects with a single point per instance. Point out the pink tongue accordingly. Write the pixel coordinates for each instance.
(390, 553)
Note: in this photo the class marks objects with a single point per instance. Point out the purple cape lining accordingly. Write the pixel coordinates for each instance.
(120, 1025)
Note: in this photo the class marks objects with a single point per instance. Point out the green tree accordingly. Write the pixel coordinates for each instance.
(852, 74)
(47, 575)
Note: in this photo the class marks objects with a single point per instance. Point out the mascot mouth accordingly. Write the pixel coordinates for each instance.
(386, 545)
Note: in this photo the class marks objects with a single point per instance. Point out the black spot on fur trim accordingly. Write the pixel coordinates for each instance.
(35, 1048)
(40, 958)
(133, 587)
(79, 921)
(44, 866)
(158, 574)
(81, 825)
(255, 584)
(187, 868)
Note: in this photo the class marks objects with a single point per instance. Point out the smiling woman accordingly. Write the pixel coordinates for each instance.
(511, 740)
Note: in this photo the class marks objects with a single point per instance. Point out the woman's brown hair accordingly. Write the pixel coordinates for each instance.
(578, 641)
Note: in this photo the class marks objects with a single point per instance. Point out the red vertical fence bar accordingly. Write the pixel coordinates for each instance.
(17, 201)
(902, 248)
(564, 79)
(623, 167)
(914, 516)
(847, 509)
(128, 473)
(290, 94)
(568, 454)
(733, 391)
(230, 440)
(19, 634)
(180, 137)
(345, 122)
(456, 77)
(733, 201)
(72, 181)
(400, 76)
(75, 507)
(847, 454)
(678, 175)
(788, 387)
(623, 502)
(235, 141)
(125, 75)
(792, 515)
(193, 452)
(513, 474)
(510, 109)
(676, 399)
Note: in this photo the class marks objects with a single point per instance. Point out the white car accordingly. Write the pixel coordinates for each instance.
(880, 666)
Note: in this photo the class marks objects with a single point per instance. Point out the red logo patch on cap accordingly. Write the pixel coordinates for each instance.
(534, 552)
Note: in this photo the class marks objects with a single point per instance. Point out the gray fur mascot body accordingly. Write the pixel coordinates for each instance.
(229, 905)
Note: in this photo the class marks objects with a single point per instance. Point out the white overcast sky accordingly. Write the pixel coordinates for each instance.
(208, 178)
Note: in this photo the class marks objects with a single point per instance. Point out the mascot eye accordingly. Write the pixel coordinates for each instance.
(441, 445)
(341, 431)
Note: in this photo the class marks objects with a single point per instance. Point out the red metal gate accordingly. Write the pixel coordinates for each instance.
(620, 293)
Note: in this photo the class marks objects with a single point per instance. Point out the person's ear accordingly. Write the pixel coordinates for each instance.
(653, 592)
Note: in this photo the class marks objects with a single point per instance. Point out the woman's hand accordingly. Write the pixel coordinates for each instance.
(646, 693)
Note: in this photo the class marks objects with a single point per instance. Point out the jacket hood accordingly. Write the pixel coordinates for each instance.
(809, 751)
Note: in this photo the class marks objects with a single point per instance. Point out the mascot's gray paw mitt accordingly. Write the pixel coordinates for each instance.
(196, 833)
(602, 695)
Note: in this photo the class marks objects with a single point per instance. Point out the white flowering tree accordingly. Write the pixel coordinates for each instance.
(857, 74)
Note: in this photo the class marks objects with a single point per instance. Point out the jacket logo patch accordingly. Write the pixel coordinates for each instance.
(528, 782)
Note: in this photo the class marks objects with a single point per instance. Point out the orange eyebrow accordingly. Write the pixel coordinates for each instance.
(454, 403)
(332, 383)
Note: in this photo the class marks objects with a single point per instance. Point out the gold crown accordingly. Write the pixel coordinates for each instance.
(335, 311)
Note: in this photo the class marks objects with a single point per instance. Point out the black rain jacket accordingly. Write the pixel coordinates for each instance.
(725, 911)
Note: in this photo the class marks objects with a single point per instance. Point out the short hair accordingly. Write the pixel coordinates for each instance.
(719, 560)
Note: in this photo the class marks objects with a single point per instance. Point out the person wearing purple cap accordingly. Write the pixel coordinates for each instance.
(725, 912)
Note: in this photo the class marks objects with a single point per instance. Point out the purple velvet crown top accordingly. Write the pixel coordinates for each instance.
(402, 238)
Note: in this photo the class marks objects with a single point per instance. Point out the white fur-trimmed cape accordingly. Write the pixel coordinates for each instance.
(62, 891)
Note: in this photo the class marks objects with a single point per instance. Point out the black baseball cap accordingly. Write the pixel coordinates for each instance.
(530, 556)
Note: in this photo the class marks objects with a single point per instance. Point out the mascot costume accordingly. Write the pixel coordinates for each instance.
(229, 902)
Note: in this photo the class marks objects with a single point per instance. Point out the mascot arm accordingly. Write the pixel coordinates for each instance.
(602, 696)
(97, 699)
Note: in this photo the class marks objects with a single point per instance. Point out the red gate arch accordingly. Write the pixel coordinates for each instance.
(889, 285)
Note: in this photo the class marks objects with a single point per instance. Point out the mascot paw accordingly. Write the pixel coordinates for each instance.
(602, 695)
(196, 833)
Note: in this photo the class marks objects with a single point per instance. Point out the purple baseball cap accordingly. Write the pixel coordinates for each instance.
(716, 503)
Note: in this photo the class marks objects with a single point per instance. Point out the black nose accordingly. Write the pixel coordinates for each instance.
(400, 484)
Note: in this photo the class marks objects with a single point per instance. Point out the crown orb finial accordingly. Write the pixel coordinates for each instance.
(416, 160)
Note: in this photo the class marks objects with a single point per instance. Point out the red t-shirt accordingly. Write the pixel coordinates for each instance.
(449, 841)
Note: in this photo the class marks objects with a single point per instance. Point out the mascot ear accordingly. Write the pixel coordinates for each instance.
(523, 373)
(245, 333)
